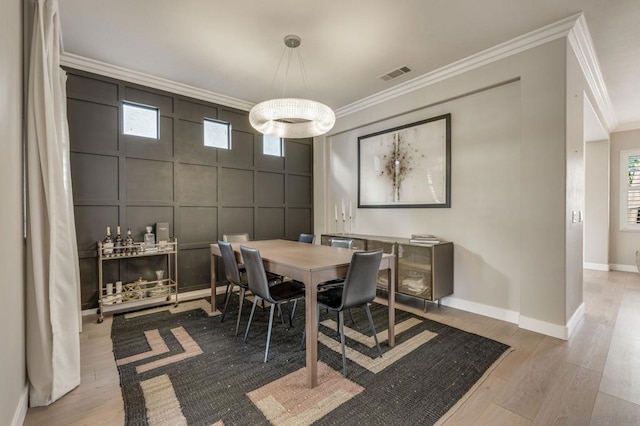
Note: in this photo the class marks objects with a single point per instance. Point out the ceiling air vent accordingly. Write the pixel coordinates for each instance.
(395, 73)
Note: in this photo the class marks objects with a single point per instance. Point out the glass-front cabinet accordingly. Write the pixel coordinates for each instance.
(424, 271)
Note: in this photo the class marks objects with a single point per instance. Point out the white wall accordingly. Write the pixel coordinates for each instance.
(13, 390)
(623, 244)
(575, 186)
(485, 193)
(507, 217)
(596, 222)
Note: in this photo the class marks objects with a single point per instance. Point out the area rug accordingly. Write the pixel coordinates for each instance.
(189, 368)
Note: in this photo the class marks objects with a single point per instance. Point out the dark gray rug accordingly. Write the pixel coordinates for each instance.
(189, 368)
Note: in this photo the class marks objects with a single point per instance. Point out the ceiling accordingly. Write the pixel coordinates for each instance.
(233, 48)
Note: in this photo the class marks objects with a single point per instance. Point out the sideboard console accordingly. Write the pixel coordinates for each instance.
(424, 271)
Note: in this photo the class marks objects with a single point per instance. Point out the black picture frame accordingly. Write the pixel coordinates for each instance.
(407, 166)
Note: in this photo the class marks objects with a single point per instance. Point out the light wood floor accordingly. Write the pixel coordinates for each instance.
(592, 379)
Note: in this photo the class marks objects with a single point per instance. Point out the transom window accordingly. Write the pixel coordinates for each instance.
(140, 120)
(217, 134)
(272, 145)
(630, 189)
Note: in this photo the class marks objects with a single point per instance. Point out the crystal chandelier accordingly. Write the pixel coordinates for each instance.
(292, 117)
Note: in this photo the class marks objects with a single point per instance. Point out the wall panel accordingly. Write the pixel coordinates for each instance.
(92, 126)
(202, 192)
(196, 185)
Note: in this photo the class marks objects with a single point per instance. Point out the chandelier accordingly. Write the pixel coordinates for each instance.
(292, 117)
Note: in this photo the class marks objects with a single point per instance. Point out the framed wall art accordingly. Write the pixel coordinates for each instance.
(407, 166)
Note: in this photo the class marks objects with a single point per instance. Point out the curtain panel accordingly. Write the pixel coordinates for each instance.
(53, 279)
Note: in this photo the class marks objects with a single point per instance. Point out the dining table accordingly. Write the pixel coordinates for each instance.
(310, 264)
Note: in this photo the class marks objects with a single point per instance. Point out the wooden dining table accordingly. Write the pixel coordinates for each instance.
(310, 264)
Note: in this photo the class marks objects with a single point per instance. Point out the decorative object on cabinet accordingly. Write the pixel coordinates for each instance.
(423, 270)
(407, 166)
(141, 292)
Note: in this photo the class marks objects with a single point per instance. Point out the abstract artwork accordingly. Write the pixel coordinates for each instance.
(407, 166)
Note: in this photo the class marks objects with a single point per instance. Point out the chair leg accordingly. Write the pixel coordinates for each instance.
(338, 321)
(293, 313)
(341, 328)
(241, 301)
(289, 311)
(373, 328)
(351, 316)
(253, 309)
(266, 350)
(227, 296)
(280, 314)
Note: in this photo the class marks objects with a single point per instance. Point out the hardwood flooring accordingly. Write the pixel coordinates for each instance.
(592, 379)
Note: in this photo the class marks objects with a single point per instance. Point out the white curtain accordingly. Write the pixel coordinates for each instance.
(53, 279)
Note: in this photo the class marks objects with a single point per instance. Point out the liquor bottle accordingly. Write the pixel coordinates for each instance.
(117, 244)
(128, 243)
(107, 244)
(150, 240)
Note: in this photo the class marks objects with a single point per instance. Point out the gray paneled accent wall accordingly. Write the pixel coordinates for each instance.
(202, 192)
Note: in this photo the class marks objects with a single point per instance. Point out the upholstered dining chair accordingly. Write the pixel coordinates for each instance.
(276, 295)
(307, 238)
(341, 242)
(359, 289)
(241, 237)
(234, 278)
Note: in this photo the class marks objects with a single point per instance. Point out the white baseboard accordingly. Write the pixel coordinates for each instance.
(21, 409)
(481, 309)
(596, 266)
(623, 268)
(543, 327)
(574, 320)
(554, 330)
(183, 297)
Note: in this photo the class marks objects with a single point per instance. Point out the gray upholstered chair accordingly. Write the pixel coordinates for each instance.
(241, 237)
(259, 286)
(358, 290)
(234, 278)
(341, 242)
(307, 238)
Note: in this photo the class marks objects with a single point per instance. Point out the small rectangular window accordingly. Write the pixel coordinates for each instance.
(630, 190)
(140, 120)
(217, 134)
(271, 145)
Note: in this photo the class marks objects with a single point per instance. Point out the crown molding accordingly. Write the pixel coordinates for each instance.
(634, 125)
(582, 45)
(91, 65)
(519, 44)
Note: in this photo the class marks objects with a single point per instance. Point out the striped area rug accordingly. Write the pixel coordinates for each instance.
(185, 367)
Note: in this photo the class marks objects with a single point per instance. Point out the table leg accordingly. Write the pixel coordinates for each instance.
(391, 275)
(311, 327)
(213, 282)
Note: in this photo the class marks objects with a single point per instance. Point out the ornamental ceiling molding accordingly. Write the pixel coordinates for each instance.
(582, 45)
(573, 27)
(102, 68)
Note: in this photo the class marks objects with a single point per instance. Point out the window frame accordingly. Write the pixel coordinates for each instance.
(625, 188)
(126, 103)
(281, 155)
(216, 121)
